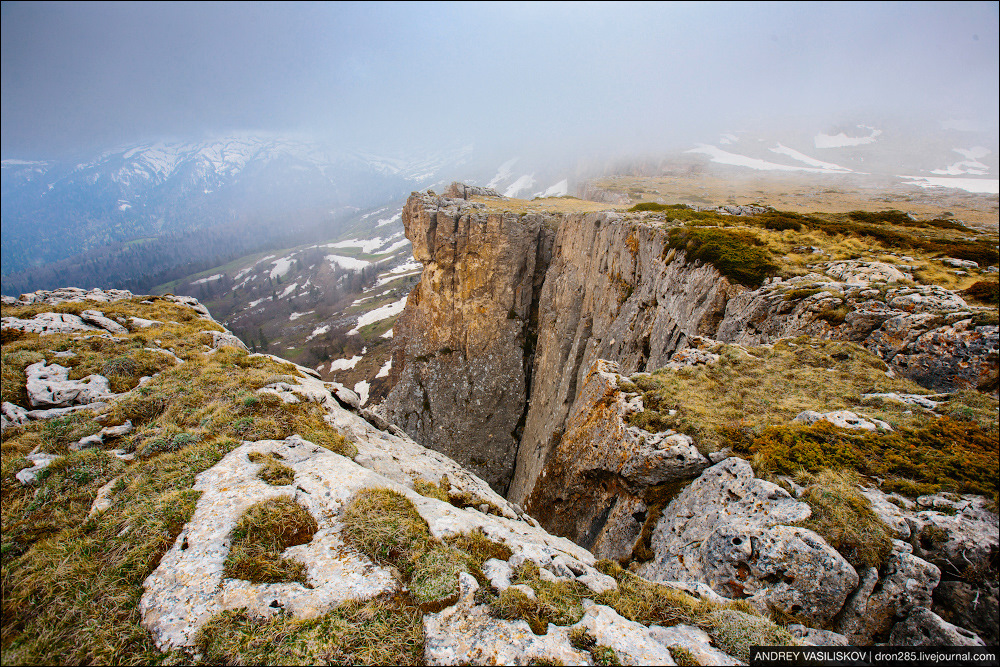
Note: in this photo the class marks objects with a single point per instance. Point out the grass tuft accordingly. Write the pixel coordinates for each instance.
(264, 531)
(272, 470)
(844, 518)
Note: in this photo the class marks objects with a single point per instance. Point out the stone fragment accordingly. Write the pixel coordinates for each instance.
(222, 338)
(816, 637)
(39, 461)
(12, 415)
(98, 319)
(858, 272)
(842, 419)
(47, 324)
(632, 642)
(693, 639)
(466, 634)
(50, 386)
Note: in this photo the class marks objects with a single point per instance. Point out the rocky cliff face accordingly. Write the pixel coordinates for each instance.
(510, 302)
(464, 343)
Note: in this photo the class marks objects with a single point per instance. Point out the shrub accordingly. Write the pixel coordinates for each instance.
(889, 217)
(984, 291)
(737, 254)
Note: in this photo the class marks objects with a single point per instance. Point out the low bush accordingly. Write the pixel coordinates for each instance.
(737, 254)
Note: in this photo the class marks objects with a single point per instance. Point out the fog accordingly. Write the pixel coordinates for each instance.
(555, 76)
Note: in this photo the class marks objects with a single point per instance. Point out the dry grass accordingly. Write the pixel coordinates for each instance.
(751, 388)
(264, 531)
(844, 518)
(386, 630)
(71, 585)
(272, 470)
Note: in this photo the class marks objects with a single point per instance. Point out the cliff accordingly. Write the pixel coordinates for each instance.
(513, 308)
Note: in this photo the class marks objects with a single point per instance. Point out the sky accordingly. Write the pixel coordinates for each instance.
(411, 76)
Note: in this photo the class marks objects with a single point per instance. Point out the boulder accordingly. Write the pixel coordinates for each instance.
(12, 415)
(906, 582)
(842, 419)
(729, 529)
(925, 628)
(965, 538)
(97, 318)
(50, 386)
(222, 338)
(47, 324)
(858, 272)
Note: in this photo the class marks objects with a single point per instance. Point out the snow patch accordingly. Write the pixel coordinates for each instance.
(281, 267)
(389, 221)
(387, 334)
(379, 314)
(503, 173)
(802, 157)
(345, 364)
(394, 247)
(971, 164)
(349, 263)
(522, 183)
(560, 189)
(295, 316)
(366, 245)
(725, 157)
(202, 281)
(318, 331)
(977, 185)
(288, 290)
(840, 140)
(384, 371)
(728, 139)
(361, 389)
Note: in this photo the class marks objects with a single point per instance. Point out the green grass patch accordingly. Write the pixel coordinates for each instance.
(385, 526)
(944, 454)
(737, 254)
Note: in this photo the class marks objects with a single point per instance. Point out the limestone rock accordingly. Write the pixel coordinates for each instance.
(632, 642)
(47, 324)
(725, 529)
(925, 628)
(599, 444)
(50, 386)
(857, 272)
(97, 318)
(12, 415)
(466, 634)
(40, 461)
(906, 582)
(693, 639)
(72, 295)
(220, 339)
(462, 356)
(925, 299)
(815, 637)
(842, 419)
(968, 537)
(954, 356)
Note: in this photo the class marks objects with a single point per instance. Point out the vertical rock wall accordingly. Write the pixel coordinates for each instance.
(511, 311)
(463, 343)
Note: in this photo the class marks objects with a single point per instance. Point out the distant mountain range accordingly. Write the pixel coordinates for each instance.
(53, 210)
(145, 214)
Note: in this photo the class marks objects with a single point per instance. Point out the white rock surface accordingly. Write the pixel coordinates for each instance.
(40, 461)
(729, 530)
(50, 386)
(695, 640)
